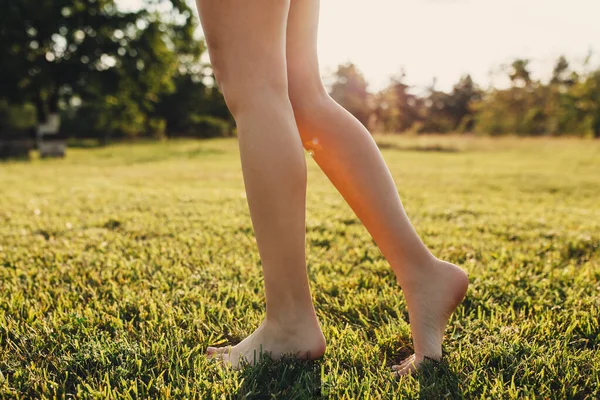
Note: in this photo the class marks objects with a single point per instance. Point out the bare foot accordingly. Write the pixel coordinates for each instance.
(431, 302)
(303, 340)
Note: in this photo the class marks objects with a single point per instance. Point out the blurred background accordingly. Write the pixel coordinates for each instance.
(88, 72)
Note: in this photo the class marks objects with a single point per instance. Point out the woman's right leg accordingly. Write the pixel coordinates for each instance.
(246, 42)
(348, 155)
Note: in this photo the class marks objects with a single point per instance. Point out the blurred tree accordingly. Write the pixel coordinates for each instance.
(586, 94)
(436, 116)
(111, 66)
(511, 111)
(396, 110)
(460, 104)
(560, 72)
(186, 109)
(519, 109)
(558, 107)
(519, 75)
(49, 49)
(350, 90)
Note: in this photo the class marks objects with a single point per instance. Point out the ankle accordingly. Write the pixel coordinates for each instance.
(414, 271)
(291, 319)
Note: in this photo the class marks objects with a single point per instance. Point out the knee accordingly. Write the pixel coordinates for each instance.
(244, 92)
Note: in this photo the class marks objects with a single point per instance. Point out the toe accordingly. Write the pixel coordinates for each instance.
(406, 367)
(211, 351)
(217, 350)
(407, 370)
(221, 358)
(400, 373)
(407, 361)
(216, 353)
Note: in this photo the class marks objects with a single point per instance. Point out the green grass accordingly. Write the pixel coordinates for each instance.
(119, 265)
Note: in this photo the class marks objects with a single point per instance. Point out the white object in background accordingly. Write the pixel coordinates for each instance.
(49, 146)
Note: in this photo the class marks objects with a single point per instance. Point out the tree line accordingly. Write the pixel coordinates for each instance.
(113, 74)
(568, 104)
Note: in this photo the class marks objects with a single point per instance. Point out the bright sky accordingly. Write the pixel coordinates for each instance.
(447, 38)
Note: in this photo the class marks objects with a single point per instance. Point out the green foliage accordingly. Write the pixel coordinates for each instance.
(193, 103)
(396, 110)
(108, 71)
(50, 49)
(569, 104)
(15, 117)
(555, 109)
(519, 74)
(436, 112)
(210, 127)
(113, 285)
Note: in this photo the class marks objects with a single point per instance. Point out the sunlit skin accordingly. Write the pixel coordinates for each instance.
(264, 53)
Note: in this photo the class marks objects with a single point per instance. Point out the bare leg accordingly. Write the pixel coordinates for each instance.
(346, 152)
(246, 41)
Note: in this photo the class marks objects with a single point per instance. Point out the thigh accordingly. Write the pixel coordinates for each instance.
(301, 51)
(246, 41)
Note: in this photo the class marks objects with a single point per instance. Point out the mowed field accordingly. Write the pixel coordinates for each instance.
(119, 265)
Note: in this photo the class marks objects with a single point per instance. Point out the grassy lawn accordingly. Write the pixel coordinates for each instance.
(119, 265)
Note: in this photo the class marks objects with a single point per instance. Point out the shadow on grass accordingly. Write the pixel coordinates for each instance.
(84, 143)
(438, 381)
(287, 378)
(171, 155)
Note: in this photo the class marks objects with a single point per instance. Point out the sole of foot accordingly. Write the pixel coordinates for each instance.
(303, 341)
(430, 305)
